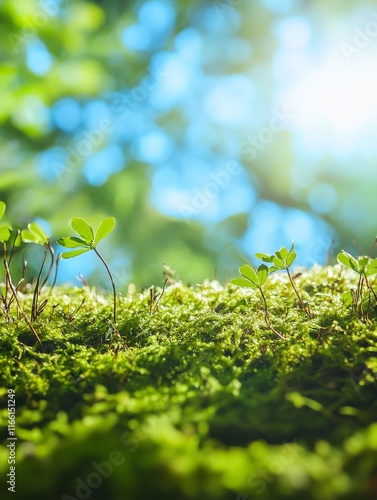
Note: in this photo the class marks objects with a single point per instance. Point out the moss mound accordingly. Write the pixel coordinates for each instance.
(194, 397)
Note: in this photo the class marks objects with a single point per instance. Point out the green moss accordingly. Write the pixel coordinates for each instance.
(200, 399)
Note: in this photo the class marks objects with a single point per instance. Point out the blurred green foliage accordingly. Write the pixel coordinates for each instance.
(88, 62)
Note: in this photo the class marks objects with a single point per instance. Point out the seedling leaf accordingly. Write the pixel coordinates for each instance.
(363, 263)
(105, 228)
(243, 282)
(250, 274)
(262, 274)
(282, 253)
(36, 228)
(291, 258)
(372, 268)
(74, 253)
(264, 256)
(71, 242)
(4, 233)
(279, 263)
(2, 209)
(34, 234)
(83, 229)
(347, 259)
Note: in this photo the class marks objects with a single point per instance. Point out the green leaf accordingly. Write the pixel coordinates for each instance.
(18, 239)
(282, 253)
(347, 259)
(372, 268)
(74, 253)
(243, 282)
(291, 258)
(264, 256)
(362, 263)
(272, 269)
(83, 229)
(250, 274)
(28, 237)
(36, 228)
(262, 274)
(71, 242)
(35, 234)
(2, 209)
(279, 263)
(105, 228)
(5, 232)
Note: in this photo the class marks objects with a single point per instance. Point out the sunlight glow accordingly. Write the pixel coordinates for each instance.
(335, 103)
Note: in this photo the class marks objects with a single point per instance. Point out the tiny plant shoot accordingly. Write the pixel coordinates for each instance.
(5, 232)
(256, 279)
(283, 259)
(365, 267)
(88, 240)
(36, 234)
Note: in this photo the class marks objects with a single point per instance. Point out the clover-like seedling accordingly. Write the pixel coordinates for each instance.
(282, 260)
(36, 234)
(365, 267)
(88, 240)
(255, 279)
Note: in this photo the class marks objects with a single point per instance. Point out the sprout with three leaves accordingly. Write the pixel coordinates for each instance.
(255, 279)
(283, 259)
(365, 267)
(88, 240)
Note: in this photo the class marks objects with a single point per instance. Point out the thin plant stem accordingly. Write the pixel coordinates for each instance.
(160, 296)
(266, 317)
(306, 309)
(112, 283)
(38, 288)
(371, 288)
(26, 318)
(56, 272)
(49, 271)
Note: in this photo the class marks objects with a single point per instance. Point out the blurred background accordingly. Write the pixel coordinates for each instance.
(210, 130)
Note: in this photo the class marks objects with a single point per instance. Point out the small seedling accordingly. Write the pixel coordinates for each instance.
(282, 260)
(88, 240)
(365, 267)
(5, 236)
(5, 232)
(36, 234)
(255, 279)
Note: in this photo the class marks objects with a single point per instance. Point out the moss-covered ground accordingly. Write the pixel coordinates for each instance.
(194, 398)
